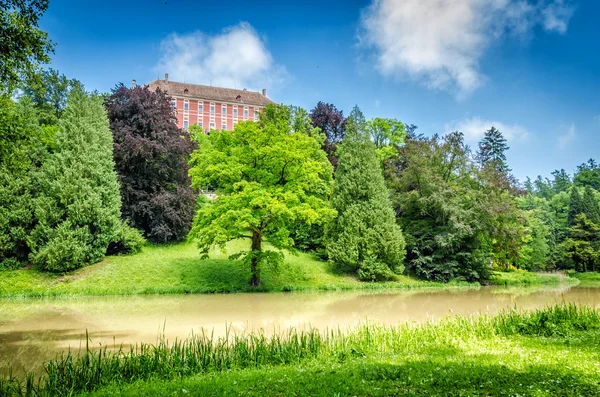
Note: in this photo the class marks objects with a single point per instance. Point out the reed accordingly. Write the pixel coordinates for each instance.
(88, 370)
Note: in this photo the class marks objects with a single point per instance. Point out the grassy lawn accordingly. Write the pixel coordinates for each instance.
(587, 279)
(548, 352)
(178, 269)
(529, 278)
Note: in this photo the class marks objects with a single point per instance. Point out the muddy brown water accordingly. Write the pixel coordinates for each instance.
(32, 330)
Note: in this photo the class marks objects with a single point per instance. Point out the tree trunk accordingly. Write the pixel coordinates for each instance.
(255, 252)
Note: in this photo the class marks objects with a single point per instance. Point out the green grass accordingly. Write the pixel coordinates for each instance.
(547, 352)
(178, 269)
(588, 279)
(529, 278)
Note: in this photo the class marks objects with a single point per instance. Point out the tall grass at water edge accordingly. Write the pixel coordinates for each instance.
(88, 370)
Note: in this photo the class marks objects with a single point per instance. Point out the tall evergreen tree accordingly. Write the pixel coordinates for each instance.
(364, 237)
(562, 181)
(589, 206)
(492, 150)
(78, 206)
(575, 205)
(151, 155)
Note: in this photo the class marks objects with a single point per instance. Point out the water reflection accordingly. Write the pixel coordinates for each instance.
(34, 330)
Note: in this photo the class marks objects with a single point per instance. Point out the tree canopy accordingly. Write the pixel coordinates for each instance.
(151, 156)
(267, 178)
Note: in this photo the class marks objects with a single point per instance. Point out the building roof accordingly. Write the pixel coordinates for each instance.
(206, 92)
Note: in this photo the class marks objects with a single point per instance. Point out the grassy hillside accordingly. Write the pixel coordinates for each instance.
(178, 269)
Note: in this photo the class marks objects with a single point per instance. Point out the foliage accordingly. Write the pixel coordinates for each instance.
(583, 244)
(535, 254)
(332, 123)
(77, 209)
(441, 209)
(492, 150)
(50, 97)
(23, 146)
(268, 178)
(588, 174)
(364, 237)
(151, 156)
(128, 241)
(386, 134)
(23, 45)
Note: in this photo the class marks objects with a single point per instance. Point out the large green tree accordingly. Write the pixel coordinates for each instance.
(23, 146)
(583, 244)
(386, 134)
(437, 200)
(267, 178)
(77, 207)
(23, 46)
(492, 150)
(50, 97)
(364, 238)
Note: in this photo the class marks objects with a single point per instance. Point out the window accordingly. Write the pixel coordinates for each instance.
(223, 126)
(186, 124)
(174, 104)
(234, 112)
(200, 124)
(200, 108)
(255, 114)
(224, 110)
(245, 114)
(212, 124)
(186, 106)
(212, 108)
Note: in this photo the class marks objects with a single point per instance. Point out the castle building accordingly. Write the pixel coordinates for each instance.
(211, 108)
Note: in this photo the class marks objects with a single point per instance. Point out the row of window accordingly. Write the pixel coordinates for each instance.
(186, 124)
(186, 106)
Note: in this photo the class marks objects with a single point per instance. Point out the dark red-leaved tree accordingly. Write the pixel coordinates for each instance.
(333, 124)
(151, 156)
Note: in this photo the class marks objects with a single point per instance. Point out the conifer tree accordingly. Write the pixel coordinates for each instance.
(575, 205)
(492, 149)
(589, 206)
(364, 237)
(78, 206)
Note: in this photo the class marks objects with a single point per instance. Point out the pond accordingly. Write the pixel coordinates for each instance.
(35, 330)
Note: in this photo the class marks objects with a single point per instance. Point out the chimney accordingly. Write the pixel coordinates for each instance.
(133, 85)
(167, 78)
(264, 92)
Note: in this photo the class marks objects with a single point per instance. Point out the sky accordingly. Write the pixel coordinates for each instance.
(531, 68)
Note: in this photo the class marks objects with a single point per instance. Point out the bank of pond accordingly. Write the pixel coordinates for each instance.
(552, 351)
(178, 269)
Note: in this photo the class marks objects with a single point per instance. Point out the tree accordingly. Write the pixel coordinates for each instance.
(23, 46)
(575, 205)
(51, 96)
(267, 179)
(588, 174)
(589, 205)
(562, 181)
(538, 239)
(387, 134)
(23, 146)
(492, 150)
(151, 156)
(364, 237)
(78, 205)
(583, 244)
(332, 123)
(436, 195)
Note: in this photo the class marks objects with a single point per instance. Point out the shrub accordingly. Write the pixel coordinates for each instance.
(129, 241)
(372, 270)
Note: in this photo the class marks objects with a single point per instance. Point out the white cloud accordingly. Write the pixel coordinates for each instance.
(441, 42)
(564, 140)
(556, 16)
(474, 129)
(237, 57)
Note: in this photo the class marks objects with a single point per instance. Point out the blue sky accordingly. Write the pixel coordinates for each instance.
(529, 67)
